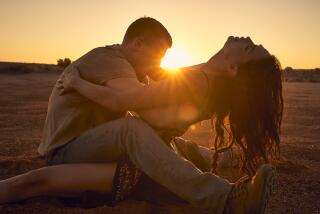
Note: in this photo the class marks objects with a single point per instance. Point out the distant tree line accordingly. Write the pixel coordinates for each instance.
(301, 75)
(290, 69)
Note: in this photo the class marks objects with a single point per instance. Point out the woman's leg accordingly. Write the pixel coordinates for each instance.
(202, 156)
(58, 180)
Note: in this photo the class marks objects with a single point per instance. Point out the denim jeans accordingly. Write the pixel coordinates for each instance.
(133, 137)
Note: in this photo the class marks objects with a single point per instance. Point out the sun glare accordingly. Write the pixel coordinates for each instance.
(175, 58)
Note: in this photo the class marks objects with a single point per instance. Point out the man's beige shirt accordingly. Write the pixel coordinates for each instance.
(71, 115)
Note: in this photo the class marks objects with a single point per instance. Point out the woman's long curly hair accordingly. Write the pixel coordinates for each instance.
(248, 108)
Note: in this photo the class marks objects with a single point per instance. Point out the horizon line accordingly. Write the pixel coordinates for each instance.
(21, 62)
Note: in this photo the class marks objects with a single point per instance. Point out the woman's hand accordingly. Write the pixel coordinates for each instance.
(69, 81)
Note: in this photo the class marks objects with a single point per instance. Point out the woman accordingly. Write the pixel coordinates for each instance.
(247, 106)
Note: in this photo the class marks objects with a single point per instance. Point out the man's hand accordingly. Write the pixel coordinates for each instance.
(68, 81)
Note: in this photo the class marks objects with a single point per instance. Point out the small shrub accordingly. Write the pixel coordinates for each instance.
(63, 63)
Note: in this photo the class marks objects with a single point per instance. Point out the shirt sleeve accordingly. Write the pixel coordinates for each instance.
(102, 65)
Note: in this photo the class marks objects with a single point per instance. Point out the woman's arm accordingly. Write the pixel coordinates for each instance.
(189, 86)
(171, 117)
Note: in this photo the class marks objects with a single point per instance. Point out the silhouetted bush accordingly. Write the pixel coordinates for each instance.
(63, 63)
(288, 69)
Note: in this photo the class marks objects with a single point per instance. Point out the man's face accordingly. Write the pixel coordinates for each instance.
(148, 56)
(237, 51)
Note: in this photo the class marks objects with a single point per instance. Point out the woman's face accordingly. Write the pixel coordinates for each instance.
(237, 51)
(241, 50)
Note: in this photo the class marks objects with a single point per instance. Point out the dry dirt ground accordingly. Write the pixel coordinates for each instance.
(23, 103)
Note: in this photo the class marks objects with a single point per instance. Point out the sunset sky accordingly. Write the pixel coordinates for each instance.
(45, 30)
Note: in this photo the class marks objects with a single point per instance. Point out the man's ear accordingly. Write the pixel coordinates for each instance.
(232, 70)
(138, 42)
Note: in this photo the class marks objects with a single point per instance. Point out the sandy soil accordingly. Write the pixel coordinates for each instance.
(23, 103)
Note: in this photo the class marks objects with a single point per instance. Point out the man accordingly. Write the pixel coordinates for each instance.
(80, 131)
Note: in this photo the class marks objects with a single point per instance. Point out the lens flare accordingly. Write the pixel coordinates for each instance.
(175, 58)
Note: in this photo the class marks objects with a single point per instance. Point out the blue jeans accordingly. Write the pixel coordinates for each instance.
(133, 137)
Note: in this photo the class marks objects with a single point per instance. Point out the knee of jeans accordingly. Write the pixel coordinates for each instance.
(137, 125)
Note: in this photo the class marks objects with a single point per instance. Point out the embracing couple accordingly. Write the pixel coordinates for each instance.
(114, 116)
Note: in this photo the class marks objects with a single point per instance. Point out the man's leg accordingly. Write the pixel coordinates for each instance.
(97, 145)
(133, 137)
(149, 153)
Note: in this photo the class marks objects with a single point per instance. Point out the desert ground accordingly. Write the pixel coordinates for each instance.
(23, 105)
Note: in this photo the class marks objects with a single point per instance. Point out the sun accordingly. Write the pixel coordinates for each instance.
(175, 58)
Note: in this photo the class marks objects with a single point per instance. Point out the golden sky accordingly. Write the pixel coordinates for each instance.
(45, 30)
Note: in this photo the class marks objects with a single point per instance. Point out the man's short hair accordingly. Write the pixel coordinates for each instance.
(149, 28)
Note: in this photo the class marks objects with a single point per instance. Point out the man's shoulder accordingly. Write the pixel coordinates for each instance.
(109, 51)
(102, 64)
(104, 56)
